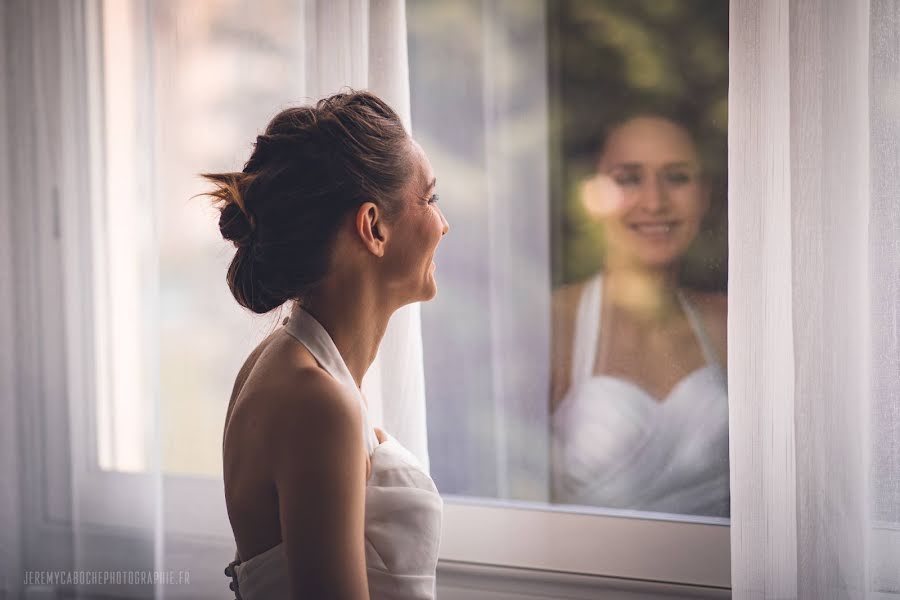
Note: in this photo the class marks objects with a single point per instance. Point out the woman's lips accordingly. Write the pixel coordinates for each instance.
(659, 230)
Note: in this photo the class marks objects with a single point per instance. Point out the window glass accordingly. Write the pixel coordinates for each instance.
(230, 66)
(219, 70)
(575, 353)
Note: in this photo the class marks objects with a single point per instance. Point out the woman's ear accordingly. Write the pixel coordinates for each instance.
(371, 228)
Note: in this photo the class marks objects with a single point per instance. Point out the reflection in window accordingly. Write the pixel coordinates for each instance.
(639, 402)
(638, 394)
(581, 147)
(479, 108)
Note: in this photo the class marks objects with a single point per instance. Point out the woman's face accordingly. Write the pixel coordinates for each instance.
(656, 196)
(416, 232)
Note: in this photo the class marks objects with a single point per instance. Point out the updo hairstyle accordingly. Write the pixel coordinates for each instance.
(311, 167)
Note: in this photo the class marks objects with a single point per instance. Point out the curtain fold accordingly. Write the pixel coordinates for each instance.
(362, 44)
(487, 373)
(814, 296)
(91, 105)
(10, 512)
(884, 295)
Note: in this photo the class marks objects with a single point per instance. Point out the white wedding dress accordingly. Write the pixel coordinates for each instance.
(615, 446)
(403, 507)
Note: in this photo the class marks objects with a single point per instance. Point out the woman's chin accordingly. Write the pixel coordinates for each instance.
(659, 257)
(430, 289)
(655, 260)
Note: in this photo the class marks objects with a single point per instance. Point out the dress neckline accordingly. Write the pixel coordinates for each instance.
(587, 332)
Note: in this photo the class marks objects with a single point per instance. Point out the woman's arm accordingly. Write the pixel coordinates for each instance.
(319, 471)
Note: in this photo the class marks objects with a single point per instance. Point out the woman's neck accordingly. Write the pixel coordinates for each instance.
(355, 316)
(649, 295)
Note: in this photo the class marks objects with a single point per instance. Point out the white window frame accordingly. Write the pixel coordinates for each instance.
(606, 543)
(475, 533)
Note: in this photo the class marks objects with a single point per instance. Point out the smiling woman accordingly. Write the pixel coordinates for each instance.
(593, 196)
(639, 405)
(334, 210)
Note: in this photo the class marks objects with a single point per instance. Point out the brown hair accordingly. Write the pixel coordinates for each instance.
(312, 166)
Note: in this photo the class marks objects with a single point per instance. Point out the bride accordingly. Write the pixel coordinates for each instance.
(335, 211)
(639, 404)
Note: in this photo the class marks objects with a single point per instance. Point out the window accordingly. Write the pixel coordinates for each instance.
(580, 147)
(171, 89)
(509, 100)
(221, 70)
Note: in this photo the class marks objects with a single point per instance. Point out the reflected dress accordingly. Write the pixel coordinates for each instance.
(613, 445)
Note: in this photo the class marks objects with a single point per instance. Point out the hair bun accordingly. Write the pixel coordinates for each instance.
(236, 226)
(311, 167)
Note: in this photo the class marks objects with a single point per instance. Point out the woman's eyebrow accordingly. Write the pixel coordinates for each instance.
(431, 184)
(639, 166)
(626, 167)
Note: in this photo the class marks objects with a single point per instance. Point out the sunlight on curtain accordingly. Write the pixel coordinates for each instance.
(176, 89)
(201, 80)
(814, 270)
(124, 251)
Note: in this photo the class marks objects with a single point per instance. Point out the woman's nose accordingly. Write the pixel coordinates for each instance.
(446, 227)
(655, 196)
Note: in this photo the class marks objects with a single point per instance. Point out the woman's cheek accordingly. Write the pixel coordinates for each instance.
(437, 225)
(692, 204)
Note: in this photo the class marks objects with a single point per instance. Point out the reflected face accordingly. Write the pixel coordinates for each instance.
(417, 231)
(661, 196)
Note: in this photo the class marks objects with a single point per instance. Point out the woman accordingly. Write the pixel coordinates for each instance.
(335, 211)
(638, 399)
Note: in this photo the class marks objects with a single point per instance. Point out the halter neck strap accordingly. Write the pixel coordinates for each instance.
(587, 329)
(696, 321)
(303, 327)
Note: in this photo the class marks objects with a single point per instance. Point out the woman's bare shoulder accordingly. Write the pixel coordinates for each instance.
(564, 299)
(244, 374)
(717, 301)
(712, 305)
(289, 396)
(307, 396)
(564, 306)
(297, 414)
(713, 308)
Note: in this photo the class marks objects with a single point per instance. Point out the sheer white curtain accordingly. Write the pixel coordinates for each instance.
(86, 115)
(362, 44)
(487, 373)
(814, 289)
(10, 557)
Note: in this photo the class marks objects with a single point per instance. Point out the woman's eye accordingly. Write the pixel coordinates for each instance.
(678, 178)
(628, 179)
(434, 198)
